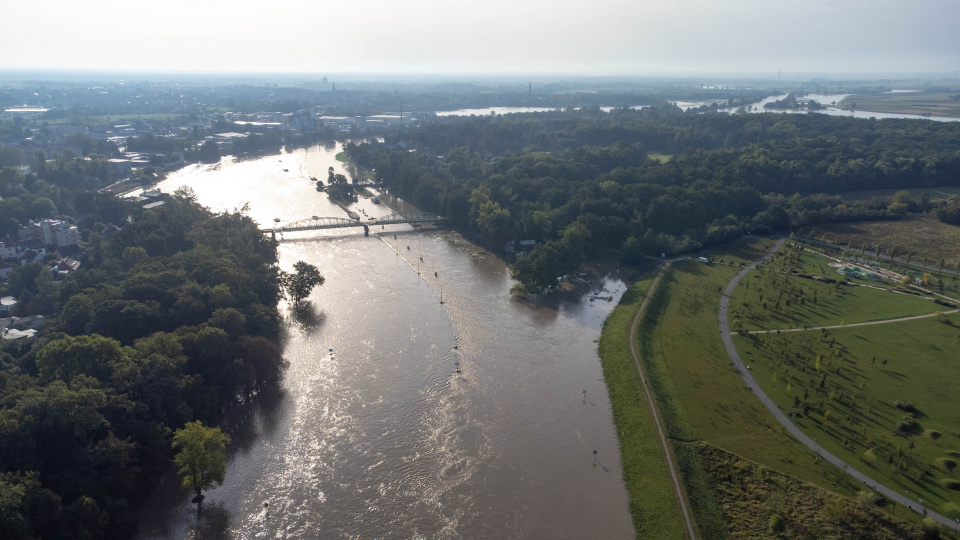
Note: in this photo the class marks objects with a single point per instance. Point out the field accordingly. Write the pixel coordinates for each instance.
(662, 158)
(705, 404)
(715, 404)
(881, 397)
(934, 104)
(845, 386)
(702, 398)
(772, 298)
(655, 511)
(923, 236)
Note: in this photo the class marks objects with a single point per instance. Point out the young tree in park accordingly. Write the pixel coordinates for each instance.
(200, 458)
(297, 285)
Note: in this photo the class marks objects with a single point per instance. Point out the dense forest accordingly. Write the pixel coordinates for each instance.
(171, 318)
(581, 182)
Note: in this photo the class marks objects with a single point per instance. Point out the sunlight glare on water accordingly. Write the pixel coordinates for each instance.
(382, 437)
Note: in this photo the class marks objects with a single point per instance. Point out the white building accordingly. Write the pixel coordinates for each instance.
(53, 232)
(8, 249)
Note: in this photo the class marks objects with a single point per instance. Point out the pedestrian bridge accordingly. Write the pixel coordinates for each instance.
(317, 223)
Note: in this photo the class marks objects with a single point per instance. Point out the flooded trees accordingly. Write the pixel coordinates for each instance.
(201, 461)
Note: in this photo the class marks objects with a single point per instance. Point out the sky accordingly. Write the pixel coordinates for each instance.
(599, 37)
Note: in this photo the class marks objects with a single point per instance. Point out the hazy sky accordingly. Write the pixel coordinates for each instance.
(615, 37)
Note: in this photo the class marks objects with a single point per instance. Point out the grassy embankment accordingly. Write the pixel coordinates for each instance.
(751, 494)
(845, 384)
(922, 236)
(702, 398)
(652, 505)
(934, 104)
(355, 170)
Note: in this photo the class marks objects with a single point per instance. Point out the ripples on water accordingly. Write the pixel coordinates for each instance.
(382, 438)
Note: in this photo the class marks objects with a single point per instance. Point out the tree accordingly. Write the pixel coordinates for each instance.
(297, 286)
(209, 152)
(201, 460)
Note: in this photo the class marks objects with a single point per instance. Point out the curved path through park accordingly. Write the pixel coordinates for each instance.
(653, 407)
(885, 321)
(790, 426)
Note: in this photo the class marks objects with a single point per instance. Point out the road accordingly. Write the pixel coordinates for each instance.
(653, 407)
(790, 426)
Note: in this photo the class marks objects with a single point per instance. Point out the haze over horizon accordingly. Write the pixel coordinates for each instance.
(615, 37)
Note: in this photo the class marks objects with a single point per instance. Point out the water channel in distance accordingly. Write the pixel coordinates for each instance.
(382, 438)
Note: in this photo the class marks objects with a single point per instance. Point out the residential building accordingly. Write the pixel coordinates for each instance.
(8, 249)
(51, 232)
(64, 268)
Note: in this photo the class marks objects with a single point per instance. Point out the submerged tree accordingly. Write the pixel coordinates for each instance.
(201, 460)
(297, 285)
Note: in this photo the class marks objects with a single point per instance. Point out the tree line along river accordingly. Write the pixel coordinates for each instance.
(375, 433)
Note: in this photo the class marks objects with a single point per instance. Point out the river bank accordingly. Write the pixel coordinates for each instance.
(376, 433)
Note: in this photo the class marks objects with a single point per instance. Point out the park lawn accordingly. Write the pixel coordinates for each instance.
(714, 404)
(662, 158)
(653, 507)
(916, 361)
(796, 302)
(920, 236)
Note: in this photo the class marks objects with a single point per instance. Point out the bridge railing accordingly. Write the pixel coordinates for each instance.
(318, 223)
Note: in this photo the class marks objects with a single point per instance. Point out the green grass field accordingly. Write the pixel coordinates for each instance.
(771, 298)
(655, 511)
(845, 385)
(701, 398)
(717, 406)
(662, 158)
(935, 104)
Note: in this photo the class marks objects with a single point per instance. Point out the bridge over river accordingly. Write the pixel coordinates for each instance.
(317, 223)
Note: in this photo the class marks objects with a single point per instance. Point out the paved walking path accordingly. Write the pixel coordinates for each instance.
(653, 407)
(831, 327)
(790, 426)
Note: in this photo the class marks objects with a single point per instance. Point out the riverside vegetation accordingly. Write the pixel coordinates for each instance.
(580, 182)
(172, 318)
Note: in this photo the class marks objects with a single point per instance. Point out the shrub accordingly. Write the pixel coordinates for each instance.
(908, 425)
(777, 524)
(905, 405)
(931, 529)
(932, 433)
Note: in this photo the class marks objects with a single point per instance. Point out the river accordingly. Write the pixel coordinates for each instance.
(376, 433)
(827, 100)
